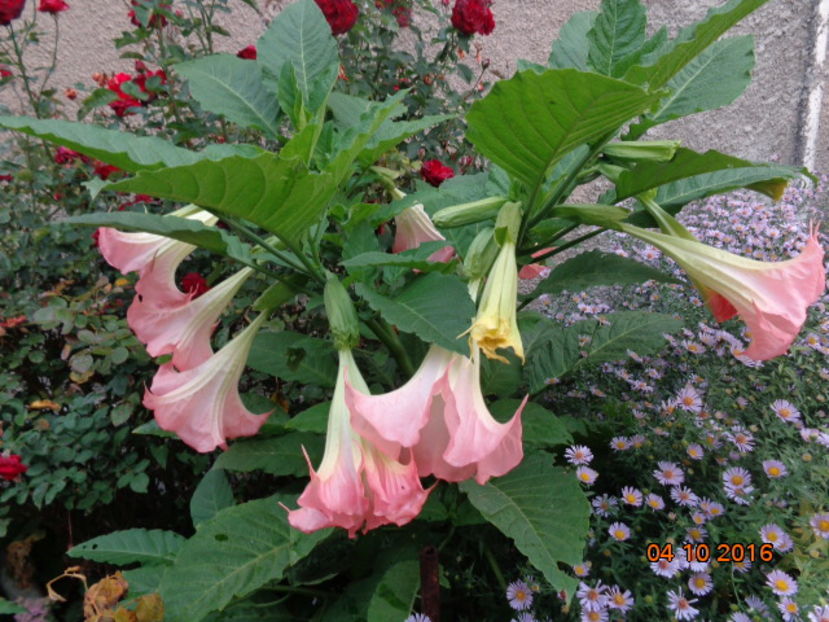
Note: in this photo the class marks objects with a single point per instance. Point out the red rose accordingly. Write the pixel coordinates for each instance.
(434, 172)
(194, 283)
(9, 10)
(11, 467)
(141, 81)
(340, 14)
(5, 72)
(52, 6)
(471, 16)
(64, 155)
(104, 170)
(248, 53)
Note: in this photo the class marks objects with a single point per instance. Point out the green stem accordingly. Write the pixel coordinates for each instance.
(18, 53)
(392, 342)
(54, 60)
(251, 235)
(496, 569)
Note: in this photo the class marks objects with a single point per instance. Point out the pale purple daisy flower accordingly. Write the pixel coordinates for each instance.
(519, 595)
(736, 477)
(578, 454)
(786, 411)
(774, 469)
(684, 496)
(819, 614)
(669, 474)
(681, 606)
(583, 569)
(592, 598)
(789, 609)
(666, 568)
(418, 617)
(586, 475)
(603, 505)
(655, 502)
(700, 584)
(696, 533)
(619, 531)
(781, 583)
(689, 399)
(631, 496)
(742, 439)
(617, 599)
(739, 616)
(620, 443)
(695, 451)
(820, 525)
(594, 616)
(524, 617)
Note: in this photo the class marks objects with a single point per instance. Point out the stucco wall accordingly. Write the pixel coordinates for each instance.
(767, 122)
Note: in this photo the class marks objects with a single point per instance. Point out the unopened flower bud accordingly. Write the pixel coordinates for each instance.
(653, 150)
(342, 317)
(468, 213)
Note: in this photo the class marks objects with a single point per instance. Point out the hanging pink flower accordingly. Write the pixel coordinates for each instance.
(413, 227)
(183, 330)
(356, 486)
(770, 297)
(441, 416)
(154, 257)
(202, 405)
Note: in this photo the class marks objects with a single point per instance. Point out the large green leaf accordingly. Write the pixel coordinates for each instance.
(543, 510)
(296, 357)
(713, 79)
(528, 123)
(281, 455)
(144, 546)
(126, 151)
(395, 592)
(618, 32)
(415, 258)
(558, 350)
(300, 36)
(690, 42)
(232, 87)
(541, 428)
(281, 196)
(8, 608)
(234, 553)
(211, 495)
(181, 229)
(435, 307)
(571, 49)
(689, 164)
(594, 268)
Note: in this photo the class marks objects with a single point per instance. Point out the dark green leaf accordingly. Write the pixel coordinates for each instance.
(130, 546)
(280, 455)
(571, 49)
(528, 123)
(416, 258)
(543, 510)
(690, 42)
(232, 87)
(618, 32)
(435, 307)
(395, 593)
(292, 356)
(281, 196)
(314, 419)
(126, 151)
(237, 551)
(713, 79)
(211, 495)
(594, 268)
(542, 429)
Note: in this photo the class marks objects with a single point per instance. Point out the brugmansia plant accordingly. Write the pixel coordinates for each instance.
(430, 362)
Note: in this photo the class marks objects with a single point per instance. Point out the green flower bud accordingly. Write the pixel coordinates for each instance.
(481, 254)
(508, 223)
(468, 213)
(653, 150)
(342, 317)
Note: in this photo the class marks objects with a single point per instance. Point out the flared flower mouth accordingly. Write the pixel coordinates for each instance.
(770, 297)
(413, 227)
(496, 325)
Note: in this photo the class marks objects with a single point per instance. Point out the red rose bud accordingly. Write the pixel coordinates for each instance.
(52, 6)
(9, 10)
(157, 20)
(104, 170)
(140, 66)
(11, 467)
(70, 93)
(473, 16)
(340, 14)
(435, 173)
(194, 283)
(248, 53)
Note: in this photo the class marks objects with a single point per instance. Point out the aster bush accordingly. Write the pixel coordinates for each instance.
(350, 355)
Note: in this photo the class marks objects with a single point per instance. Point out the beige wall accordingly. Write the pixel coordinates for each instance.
(765, 123)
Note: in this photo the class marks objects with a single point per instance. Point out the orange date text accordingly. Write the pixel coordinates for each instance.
(724, 553)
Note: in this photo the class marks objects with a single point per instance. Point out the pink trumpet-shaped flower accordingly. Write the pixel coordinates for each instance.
(441, 415)
(356, 486)
(202, 405)
(154, 257)
(770, 297)
(183, 330)
(413, 227)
